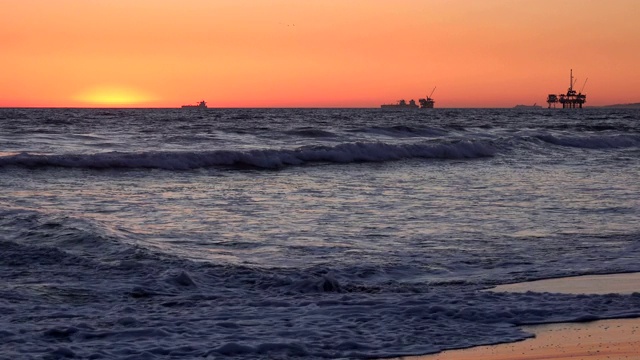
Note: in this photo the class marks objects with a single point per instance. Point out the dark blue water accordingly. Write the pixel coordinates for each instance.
(306, 233)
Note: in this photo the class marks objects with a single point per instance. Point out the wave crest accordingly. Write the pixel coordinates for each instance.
(263, 159)
(593, 141)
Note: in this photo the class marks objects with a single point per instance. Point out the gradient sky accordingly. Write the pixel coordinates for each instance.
(315, 53)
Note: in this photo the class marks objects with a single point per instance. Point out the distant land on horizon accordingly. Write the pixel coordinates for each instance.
(624, 106)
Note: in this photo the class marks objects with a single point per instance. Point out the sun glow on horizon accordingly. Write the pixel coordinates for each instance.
(113, 96)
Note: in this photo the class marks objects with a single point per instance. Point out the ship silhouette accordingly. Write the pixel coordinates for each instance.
(427, 103)
(201, 105)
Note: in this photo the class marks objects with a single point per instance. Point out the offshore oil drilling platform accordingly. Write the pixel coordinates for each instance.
(570, 100)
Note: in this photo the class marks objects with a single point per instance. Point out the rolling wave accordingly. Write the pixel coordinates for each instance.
(261, 159)
(79, 236)
(312, 133)
(593, 141)
(404, 131)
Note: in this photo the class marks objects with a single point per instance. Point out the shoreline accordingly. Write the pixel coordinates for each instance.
(623, 283)
(595, 340)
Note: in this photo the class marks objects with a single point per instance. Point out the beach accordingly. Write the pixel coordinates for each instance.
(595, 340)
(598, 340)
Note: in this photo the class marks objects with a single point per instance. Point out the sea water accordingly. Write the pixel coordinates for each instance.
(306, 233)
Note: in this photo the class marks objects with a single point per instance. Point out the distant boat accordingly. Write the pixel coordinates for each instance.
(534, 106)
(402, 104)
(427, 103)
(201, 105)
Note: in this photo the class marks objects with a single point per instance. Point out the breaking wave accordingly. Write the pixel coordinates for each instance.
(263, 159)
(593, 141)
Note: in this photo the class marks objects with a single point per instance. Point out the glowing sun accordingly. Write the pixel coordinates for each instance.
(113, 96)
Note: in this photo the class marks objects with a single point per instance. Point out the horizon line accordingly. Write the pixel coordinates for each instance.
(292, 107)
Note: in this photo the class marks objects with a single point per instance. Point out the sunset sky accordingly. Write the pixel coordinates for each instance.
(315, 53)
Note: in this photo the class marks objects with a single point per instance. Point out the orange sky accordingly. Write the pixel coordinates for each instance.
(315, 53)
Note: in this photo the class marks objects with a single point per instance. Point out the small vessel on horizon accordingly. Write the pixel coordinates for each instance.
(402, 104)
(534, 106)
(201, 105)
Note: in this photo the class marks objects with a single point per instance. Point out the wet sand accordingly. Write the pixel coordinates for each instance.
(590, 284)
(597, 340)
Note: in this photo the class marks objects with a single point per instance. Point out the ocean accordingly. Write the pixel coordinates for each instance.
(306, 233)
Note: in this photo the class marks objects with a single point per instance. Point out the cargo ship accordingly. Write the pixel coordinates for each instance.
(401, 104)
(201, 105)
(427, 103)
